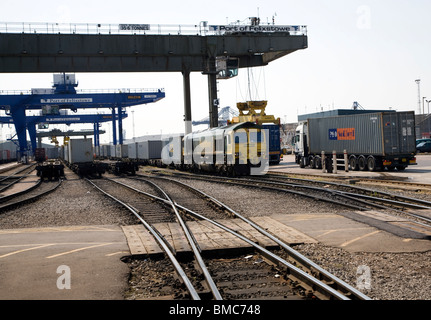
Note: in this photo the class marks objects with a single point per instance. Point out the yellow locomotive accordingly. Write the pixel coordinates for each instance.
(236, 149)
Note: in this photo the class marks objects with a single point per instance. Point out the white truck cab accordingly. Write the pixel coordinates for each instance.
(300, 142)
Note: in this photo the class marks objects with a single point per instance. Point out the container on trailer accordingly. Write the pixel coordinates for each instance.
(380, 134)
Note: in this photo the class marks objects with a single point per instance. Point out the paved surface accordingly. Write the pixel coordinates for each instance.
(420, 173)
(338, 231)
(41, 263)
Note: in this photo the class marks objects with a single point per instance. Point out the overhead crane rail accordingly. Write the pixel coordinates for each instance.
(84, 91)
(203, 28)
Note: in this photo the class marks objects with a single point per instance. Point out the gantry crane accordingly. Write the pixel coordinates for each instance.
(64, 96)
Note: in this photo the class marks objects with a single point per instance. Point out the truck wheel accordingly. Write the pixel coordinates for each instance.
(318, 162)
(353, 161)
(312, 161)
(362, 163)
(302, 162)
(371, 163)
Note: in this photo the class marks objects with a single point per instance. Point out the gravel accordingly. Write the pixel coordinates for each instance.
(393, 276)
(75, 202)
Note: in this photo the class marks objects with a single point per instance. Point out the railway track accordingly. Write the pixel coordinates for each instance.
(349, 196)
(383, 181)
(298, 272)
(10, 180)
(28, 195)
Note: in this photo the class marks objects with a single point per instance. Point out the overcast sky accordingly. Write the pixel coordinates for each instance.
(366, 51)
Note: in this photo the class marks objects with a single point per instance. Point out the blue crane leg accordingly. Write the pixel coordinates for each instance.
(31, 127)
(19, 119)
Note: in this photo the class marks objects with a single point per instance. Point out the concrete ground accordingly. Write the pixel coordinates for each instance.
(420, 173)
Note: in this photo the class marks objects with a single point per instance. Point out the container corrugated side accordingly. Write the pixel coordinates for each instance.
(358, 134)
(112, 151)
(152, 149)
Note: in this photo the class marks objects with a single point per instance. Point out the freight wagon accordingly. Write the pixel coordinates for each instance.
(78, 155)
(372, 141)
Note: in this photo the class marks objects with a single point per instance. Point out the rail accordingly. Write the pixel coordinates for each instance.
(180, 271)
(320, 286)
(293, 253)
(202, 29)
(10, 204)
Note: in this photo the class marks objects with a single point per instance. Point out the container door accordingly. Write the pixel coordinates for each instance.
(399, 133)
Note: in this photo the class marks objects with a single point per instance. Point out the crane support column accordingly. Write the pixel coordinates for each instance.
(187, 102)
(120, 125)
(114, 127)
(19, 119)
(31, 128)
(212, 93)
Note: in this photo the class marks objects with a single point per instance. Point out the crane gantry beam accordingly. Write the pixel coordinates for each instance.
(28, 48)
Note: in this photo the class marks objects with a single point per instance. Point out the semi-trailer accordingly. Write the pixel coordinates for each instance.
(371, 141)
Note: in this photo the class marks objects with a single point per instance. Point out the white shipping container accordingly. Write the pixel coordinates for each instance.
(112, 151)
(132, 150)
(121, 151)
(80, 150)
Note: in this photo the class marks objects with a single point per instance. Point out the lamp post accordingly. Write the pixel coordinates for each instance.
(418, 81)
(428, 103)
(423, 105)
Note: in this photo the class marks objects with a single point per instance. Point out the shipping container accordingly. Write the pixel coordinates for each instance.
(274, 143)
(148, 150)
(52, 153)
(132, 150)
(105, 151)
(40, 154)
(371, 141)
(112, 151)
(80, 150)
(121, 151)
